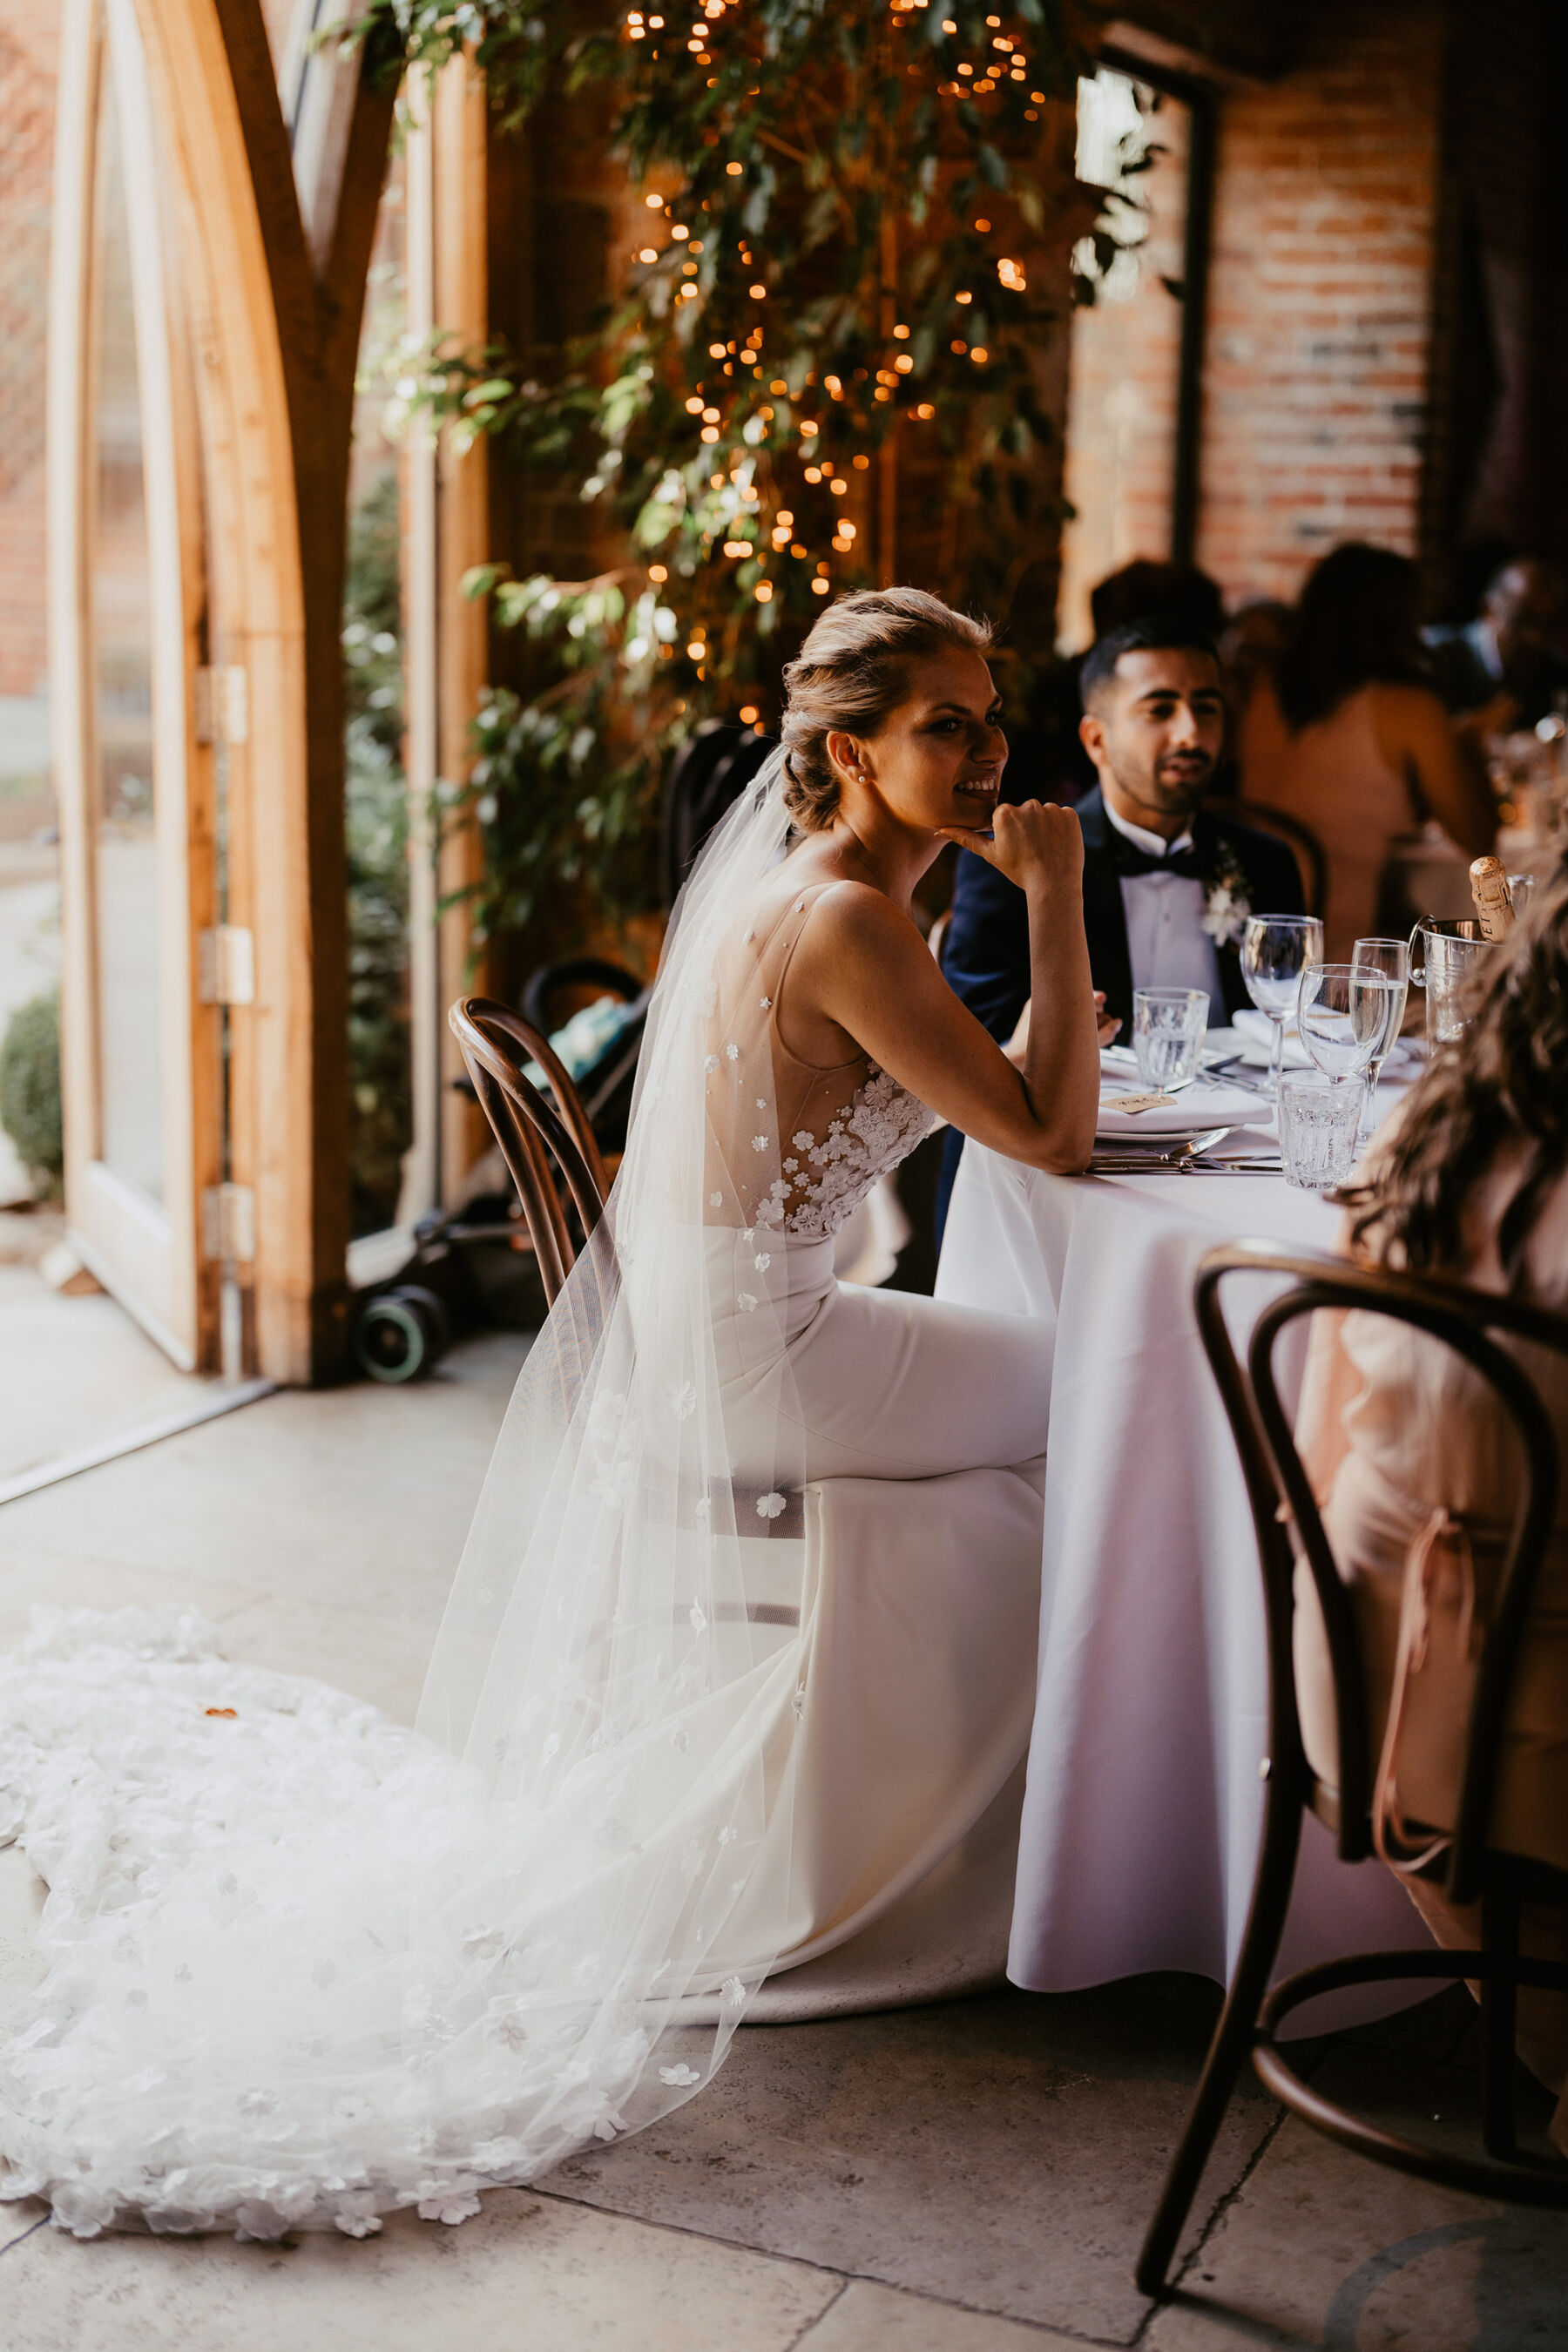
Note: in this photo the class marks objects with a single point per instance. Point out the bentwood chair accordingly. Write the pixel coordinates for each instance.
(1302, 839)
(531, 1134)
(497, 1043)
(1469, 1867)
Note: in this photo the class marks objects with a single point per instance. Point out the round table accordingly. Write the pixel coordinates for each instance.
(1143, 1809)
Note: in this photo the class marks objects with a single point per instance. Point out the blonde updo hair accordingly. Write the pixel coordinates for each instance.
(852, 672)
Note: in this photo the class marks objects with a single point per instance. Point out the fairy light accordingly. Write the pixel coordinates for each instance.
(763, 591)
(1013, 276)
(980, 355)
(819, 587)
(749, 714)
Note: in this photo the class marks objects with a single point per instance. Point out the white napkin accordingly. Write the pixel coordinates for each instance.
(1256, 1031)
(1251, 1035)
(1209, 1103)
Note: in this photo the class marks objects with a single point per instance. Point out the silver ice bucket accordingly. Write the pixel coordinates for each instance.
(1444, 956)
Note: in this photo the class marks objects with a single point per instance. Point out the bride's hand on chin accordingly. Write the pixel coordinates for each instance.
(1036, 844)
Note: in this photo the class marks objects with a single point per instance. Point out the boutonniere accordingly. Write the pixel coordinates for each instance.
(1226, 903)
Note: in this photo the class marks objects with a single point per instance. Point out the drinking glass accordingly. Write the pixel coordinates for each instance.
(1318, 1120)
(1391, 958)
(1343, 1013)
(1169, 1025)
(1275, 952)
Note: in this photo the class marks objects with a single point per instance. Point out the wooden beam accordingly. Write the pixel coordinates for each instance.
(279, 346)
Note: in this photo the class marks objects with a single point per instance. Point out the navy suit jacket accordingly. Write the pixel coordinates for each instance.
(985, 949)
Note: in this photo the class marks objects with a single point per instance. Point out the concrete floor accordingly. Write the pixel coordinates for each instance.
(964, 2179)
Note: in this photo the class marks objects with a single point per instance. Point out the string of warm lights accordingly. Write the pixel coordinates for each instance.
(826, 282)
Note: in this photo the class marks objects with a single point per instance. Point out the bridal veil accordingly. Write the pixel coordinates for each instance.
(305, 1966)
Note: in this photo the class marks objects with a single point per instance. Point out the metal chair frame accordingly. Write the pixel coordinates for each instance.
(532, 1132)
(1278, 1487)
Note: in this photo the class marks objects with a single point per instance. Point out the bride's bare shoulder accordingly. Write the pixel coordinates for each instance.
(853, 918)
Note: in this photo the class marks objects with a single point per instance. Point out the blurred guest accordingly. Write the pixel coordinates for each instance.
(1249, 648)
(1167, 883)
(1508, 661)
(1412, 1463)
(1348, 736)
(1145, 589)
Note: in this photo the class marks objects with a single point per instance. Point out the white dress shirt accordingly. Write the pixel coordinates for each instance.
(1166, 943)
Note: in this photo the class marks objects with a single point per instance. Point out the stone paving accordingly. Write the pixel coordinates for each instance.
(970, 2178)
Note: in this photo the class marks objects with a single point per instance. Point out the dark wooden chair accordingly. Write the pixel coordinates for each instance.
(496, 1043)
(532, 1132)
(1468, 1321)
(1302, 839)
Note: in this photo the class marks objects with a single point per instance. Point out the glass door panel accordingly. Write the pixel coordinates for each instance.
(124, 807)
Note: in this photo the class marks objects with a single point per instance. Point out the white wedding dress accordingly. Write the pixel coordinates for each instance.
(734, 1684)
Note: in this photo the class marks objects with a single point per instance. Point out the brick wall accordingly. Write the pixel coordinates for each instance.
(27, 50)
(1326, 208)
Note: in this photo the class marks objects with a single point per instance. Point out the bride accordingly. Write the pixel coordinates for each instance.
(305, 1966)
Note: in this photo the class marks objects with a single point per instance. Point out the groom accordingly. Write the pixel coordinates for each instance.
(1167, 883)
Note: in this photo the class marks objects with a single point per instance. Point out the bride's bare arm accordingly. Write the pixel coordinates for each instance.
(862, 966)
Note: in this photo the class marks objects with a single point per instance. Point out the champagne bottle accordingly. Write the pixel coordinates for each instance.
(1494, 900)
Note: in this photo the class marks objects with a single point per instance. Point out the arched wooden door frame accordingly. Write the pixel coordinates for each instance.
(273, 326)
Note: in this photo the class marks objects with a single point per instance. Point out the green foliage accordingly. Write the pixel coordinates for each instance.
(30, 1089)
(847, 205)
(377, 830)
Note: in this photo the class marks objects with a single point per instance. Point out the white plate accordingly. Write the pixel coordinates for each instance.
(1209, 1103)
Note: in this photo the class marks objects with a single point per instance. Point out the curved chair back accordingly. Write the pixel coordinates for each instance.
(1469, 1321)
(496, 1044)
(1302, 839)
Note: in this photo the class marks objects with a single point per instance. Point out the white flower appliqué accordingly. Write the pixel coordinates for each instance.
(678, 2077)
(681, 1401)
(759, 1143)
(771, 1507)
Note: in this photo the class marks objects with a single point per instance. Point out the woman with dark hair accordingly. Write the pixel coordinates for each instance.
(1348, 735)
(1408, 1454)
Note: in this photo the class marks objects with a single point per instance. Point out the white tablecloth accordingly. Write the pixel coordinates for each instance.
(1145, 1803)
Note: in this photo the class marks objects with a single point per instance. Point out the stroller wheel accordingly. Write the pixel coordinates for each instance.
(399, 1334)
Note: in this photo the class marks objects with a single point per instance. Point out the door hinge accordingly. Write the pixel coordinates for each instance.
(229, 1222)
(222, 704)
(225, 963)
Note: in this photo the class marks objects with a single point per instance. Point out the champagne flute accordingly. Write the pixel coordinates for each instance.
(1392, 958)
(1275, 952)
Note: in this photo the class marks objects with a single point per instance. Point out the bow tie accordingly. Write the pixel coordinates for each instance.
(1127, 858)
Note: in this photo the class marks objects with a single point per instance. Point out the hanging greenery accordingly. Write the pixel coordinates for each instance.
(833, 321)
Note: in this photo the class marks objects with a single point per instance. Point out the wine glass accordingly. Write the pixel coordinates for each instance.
(1342, 1016)
(1392, 958)
(1275, 952)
